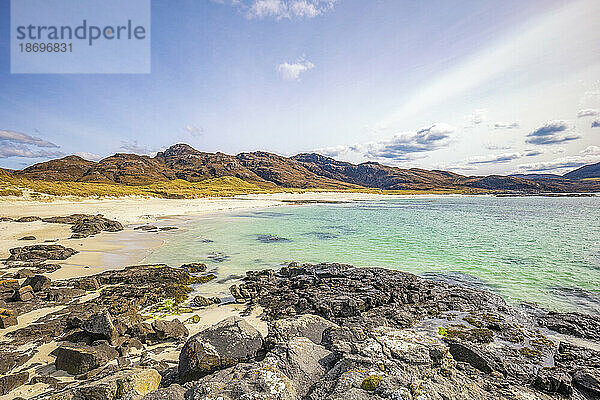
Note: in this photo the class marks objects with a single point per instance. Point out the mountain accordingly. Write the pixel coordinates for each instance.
(306, 170)
(585, 172)
(70, 168)
(537, 176)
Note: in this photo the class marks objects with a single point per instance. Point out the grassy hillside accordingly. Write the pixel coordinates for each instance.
(11, 185)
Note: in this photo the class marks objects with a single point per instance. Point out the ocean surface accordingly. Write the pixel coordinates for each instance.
(543, 250)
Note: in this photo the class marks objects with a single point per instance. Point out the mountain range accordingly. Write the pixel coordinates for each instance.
(306, 170)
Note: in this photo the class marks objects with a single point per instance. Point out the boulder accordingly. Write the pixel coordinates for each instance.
(143, 331)
(24, 293)
(88, 225)
(222, 345)
(174, 329)
(88, 283)
(100, 326)
(8, 286)
(193, 268)
(7, 318)
(28, 219)
(201, 301)
(40, 252)
(307, 325)
(10, 382)
(130, 384)
(145, 228)
(78, 359)
(173, 392)
(37, 282)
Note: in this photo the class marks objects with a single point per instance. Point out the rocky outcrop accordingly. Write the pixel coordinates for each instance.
(213, 349)
(40, 252)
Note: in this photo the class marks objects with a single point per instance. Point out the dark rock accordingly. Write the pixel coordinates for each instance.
(8, 286)
(10, 382)
(8, 318)
(89, 225)
(88, 283)
(41, 252)
(78, 359)
(468, 354)
(212, 349)
(201, 301)
(62, 295)
(168, 228)
(37, 282)
(24, 293)
(550, 381)
(145, 228)
(574, 324)
(308, 326)
(143, 331)
(100, 326)
(6, 219)
(28, 238)
(194, 268)
(174, 329)
(270, 239)
(588, 380)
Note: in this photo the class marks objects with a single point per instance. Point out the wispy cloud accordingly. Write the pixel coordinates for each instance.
(587, 113)
(502, 158)
(292, 71)
(194, 130)
(476, 118)
(400, 147)
(137, 148)
(506, 125)
(551, 133)
(589, 155)
(281, 9)
(18, 144)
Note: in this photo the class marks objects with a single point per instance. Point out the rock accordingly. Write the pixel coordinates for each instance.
(212, 348)
(173, 392)
(240, 294)
(63, 294)
(168, 228)
(131, 384)
(89, 225)
(574, 324)
(37, 282)
(24, 293)
(174, 329)
(194, 268)
(201, 301)
(550, 381)
(24, 273)
(8, 318)
(127, 344)
(145, 228)
(41, 252)
(307, 325)
(8, 286)
(88, 283)
(10, 382)
(28, 238)
(100, 326)
(6, 219)
(28, 219)
(468, 354)
(77, 359)
(143, 331)
(588, 380)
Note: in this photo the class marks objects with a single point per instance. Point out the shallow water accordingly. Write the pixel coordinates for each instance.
(543, 250)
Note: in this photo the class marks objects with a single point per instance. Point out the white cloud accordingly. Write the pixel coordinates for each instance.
(23, 138)
(194, 130)
(136, 148)
(551, 133)
(89, 156)
(20, 150)
(476, 118)
(291, 72)
(400, 147)
(589, 155)
(587, 113)
(507, 125)
(280, 9)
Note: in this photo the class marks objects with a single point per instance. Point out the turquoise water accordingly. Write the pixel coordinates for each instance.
(537, 249)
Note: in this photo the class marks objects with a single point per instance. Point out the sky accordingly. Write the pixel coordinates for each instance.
(476, 87)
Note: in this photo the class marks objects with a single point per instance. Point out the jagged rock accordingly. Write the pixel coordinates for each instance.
(194, 268)
(307, 325)
(574, 324)
(10, 382)
(37, 282)
(8, 318)
(550, 381)
(78, 359)
(28, 238)
(40, 252)
(212, 348)
(100, 326)
(88, 225)
(173, 392)
(174, 329)
(24, 293)
(240, 294)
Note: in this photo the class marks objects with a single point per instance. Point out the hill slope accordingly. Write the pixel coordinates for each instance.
(585, 172)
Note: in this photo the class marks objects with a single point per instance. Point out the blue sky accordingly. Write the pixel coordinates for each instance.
(477, 87)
